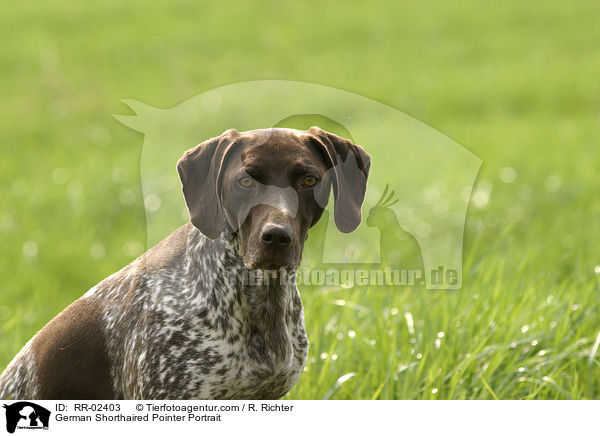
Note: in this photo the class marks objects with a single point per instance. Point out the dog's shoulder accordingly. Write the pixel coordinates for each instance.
(70, 354)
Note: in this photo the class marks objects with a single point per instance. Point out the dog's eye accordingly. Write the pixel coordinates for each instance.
(246, 182)
(309, 181)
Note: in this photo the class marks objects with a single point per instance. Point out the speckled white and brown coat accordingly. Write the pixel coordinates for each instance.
(165, 334)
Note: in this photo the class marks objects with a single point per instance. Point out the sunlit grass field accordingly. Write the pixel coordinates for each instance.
(517, 84)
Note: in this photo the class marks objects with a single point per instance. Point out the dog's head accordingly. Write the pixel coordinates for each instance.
(268, 187)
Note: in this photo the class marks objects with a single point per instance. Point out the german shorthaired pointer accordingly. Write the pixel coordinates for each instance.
(206, 313)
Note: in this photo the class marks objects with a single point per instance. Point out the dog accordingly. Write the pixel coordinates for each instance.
(212, 311)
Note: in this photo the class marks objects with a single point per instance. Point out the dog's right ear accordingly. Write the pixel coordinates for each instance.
(199, 171)
(350, 165)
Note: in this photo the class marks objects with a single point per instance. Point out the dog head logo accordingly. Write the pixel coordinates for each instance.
(26, 415)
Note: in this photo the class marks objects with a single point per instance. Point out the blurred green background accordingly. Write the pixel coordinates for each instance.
(516, 83)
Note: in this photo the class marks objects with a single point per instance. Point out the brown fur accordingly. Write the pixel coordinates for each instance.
(71, 357)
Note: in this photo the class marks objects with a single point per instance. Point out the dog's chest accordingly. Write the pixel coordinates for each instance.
(216, 352)
(254, 370)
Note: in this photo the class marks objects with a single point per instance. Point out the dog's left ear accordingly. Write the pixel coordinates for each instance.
(350, 165)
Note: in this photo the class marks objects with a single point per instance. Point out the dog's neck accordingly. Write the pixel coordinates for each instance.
(267, 302)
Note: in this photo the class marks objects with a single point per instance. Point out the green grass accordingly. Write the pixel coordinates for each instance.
(515, 83)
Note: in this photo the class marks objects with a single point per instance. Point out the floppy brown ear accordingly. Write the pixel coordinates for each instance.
(350, 165)
(199, 171)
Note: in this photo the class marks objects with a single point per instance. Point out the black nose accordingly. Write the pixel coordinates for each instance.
(276, 234)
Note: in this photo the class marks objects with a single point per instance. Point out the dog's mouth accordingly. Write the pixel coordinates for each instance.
(269, 263)
(260, 259)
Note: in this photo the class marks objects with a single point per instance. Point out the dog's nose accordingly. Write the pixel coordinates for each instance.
(276, 234)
